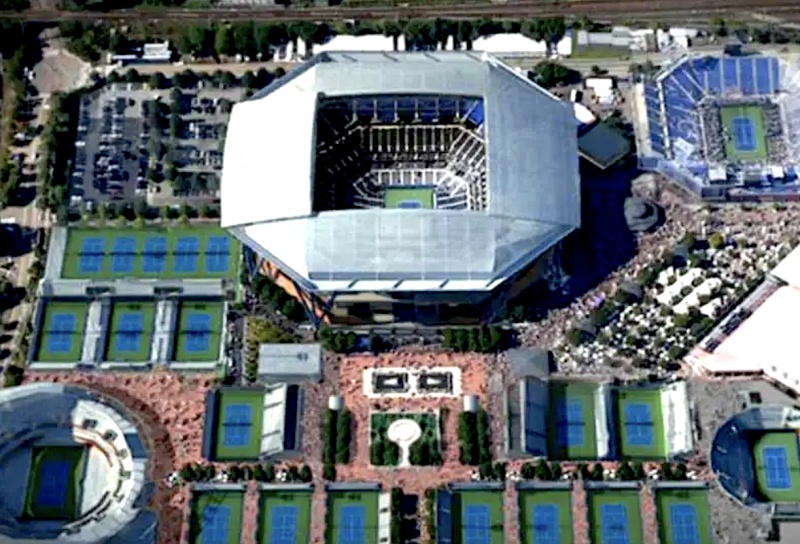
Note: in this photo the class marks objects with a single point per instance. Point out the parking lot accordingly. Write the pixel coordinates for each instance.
(134, 143)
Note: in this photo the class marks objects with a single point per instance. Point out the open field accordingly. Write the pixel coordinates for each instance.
(349, 511)
(276, 512)
(151, 253)
(681, 512)
(61, 335)
(215, 515)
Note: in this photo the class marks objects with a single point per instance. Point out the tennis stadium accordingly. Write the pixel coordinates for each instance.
(756, 457)
(135, 298)
(404, 180)
(73, 468)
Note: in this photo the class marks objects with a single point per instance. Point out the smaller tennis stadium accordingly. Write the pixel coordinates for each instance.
(756, 457)
(284, 516)
(251, 423)
(683, 516)
(743, 130)
(545, 516)
(150, 253)
(216, 516)
(352, 517)
(615, 516)
(588, 420)
(73, 468)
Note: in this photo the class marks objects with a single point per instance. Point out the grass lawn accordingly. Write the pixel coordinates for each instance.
(272, 502)
(693, 498)
(221, 508)
(339, 501)
(787, 441)
(173, 253)
(395, 197)
(628, 500)
(54, 483)
(185, 348)
(729, 114)
(125, 347)
(630, 446)
(578, 398)
(62, 347)
(425, 451)
(250, 449)
(491, 499)
(531, 499)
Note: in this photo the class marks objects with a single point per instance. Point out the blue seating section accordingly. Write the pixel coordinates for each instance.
(748, 80)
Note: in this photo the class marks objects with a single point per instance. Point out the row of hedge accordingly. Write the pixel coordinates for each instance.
(479, 339)
(474, 435)
(238, 473)
(336, 438)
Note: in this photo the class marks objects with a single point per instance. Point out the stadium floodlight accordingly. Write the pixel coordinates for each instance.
(401, 172)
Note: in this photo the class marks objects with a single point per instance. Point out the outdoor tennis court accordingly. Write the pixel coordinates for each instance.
(572, 433)
(409, 197)
(199, 331)
(216, 517)
(131, 333)
(352, 517)
(641, 425)
(683, 516)
(745, 137)
(615, 517)
(777, 466)
(54, 483)
(60, 338)
(545, 517)
(479, 516)
(238, 428)
(284, 517)
(188, 252)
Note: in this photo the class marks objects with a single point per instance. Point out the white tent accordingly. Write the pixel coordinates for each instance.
(371, 42)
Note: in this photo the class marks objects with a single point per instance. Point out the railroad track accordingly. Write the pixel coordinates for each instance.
(655, 10)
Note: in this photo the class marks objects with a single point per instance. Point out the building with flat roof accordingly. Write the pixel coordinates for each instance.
(410, 175)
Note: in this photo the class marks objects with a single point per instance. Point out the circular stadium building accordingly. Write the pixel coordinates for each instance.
(756, 457)
(723, 126)
(376, 179)
(72, 467)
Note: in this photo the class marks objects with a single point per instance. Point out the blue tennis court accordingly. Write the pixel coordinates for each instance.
(613, 524)
(744, 134)
(62, 327)
(545, 524)
(776, 468)
(352, 519)
(215, 525)
(570, 423)
(477, 524)
(130, 331)
(187, 249)
(198, 333)
(409, 204)
(155, 255)
(683, 518)
(238, 419)
(53, 479)
(122, 255)
(283, 525)
(217, 250)
(639, 424)
(91, 256)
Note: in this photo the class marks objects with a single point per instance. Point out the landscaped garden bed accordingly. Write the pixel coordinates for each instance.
(425, 451)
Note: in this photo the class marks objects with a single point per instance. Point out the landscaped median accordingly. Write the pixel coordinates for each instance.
(424, 450)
